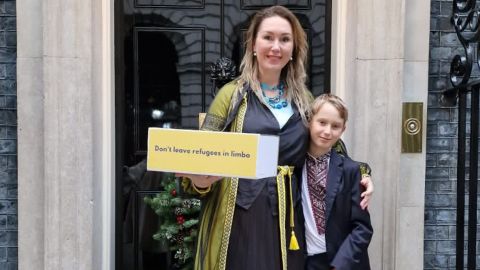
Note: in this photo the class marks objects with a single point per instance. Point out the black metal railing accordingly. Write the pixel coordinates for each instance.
(466, 21)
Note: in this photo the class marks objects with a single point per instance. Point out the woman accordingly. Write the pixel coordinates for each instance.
(249, 224)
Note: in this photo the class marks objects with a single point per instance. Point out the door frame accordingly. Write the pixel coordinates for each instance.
(108, 147)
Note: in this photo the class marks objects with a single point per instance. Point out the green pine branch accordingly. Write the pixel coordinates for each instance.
(179, 221)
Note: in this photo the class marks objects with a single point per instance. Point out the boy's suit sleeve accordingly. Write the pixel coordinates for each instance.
(356, 243)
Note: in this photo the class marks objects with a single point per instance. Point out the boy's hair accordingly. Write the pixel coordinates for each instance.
(334, 100)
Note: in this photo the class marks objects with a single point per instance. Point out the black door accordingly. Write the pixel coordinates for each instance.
(163, 50)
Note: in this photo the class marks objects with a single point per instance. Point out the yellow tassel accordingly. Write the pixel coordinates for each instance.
(293, 242)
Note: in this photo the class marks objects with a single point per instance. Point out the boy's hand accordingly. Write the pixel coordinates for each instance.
(367, 183)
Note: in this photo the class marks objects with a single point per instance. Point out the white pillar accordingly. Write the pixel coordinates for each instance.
(375, 60)
(66, 134)
(411, 199)
(30, 135)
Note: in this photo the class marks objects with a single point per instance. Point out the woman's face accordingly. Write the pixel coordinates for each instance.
(273, 44)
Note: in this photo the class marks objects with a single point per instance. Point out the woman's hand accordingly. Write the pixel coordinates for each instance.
(367, 194)
(200, 181)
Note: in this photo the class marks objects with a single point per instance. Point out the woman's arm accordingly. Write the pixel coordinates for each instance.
(365, 172)
(366, 195)
(214, 121)
(200, 181)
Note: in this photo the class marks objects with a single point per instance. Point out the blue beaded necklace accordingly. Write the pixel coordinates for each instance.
(276, 102)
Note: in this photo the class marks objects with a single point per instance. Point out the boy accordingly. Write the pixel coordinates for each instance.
(337, 230)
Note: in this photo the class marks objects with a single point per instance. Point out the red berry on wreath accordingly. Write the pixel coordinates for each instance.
(180, 220)
(173, 192)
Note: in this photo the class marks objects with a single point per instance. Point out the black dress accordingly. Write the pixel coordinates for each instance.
(255, 237)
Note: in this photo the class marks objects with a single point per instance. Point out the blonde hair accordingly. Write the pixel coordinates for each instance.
(293, 73)
(334, 100)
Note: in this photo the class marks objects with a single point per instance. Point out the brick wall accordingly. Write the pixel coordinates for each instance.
(440, 189)
(8, 137)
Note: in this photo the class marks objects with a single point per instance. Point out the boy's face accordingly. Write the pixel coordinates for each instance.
(326, 127)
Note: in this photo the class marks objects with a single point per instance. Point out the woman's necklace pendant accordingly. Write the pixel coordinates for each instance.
(277, 101)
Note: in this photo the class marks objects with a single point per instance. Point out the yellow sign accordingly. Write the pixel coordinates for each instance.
(230, 154)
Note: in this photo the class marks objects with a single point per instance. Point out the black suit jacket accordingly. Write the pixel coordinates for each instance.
(348, 228)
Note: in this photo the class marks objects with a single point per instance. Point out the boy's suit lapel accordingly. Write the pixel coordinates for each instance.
(335, 171)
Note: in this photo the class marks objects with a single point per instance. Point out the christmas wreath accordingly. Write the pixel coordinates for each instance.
(180, 216)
